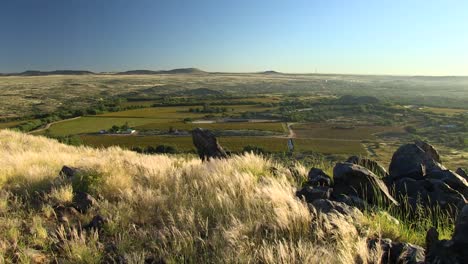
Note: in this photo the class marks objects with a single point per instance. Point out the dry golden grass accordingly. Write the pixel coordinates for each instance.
(171, 207)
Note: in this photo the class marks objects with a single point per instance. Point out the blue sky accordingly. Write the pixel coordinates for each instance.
(329, 36)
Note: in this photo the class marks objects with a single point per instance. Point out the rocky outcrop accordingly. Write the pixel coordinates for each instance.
(207, 145)
(449, 251)
(354, 180)
(417, 178)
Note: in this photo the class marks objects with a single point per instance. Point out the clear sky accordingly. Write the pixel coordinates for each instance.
(423, 37)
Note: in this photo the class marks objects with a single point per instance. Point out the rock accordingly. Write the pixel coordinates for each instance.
(414, 161)
(96, 223)
(452, 179)
(318, 177)
(462, 173)
(207, 145)
(64, 214)
(35, 256)
(460, 235)
(427, 193)
(429, 149)
(310, 193)
(396, 252)
(327, 206)
(449, 251)
(355, 180)
(369, 164)
(69, 172)
(83, 201)
(352, 201)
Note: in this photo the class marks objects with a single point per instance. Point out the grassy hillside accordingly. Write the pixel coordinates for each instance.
(174, 208)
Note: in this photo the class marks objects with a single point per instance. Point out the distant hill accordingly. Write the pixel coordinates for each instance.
(58, 72)
(174, 71)
(270, 72)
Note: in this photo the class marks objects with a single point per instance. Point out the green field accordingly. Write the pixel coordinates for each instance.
(173, 112)
(164, 126)
(321, 130)
(184, 143)
(92, 124)
(11, 124)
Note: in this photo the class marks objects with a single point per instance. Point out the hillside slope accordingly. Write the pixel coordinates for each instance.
(159, 208)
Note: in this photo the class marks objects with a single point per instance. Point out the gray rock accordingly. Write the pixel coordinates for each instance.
(310, 193)
(369, 164)
(83, 201)
(207, 145)
(69, 172)
(396, 252)
(97, 223)
(355, 180)
(452, 179)
(462, 173)
(318, 177)
(326, 206)
(414, 161)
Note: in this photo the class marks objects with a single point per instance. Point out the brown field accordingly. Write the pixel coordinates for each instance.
(327, 131)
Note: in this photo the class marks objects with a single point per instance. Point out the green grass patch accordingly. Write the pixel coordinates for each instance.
(91, 124)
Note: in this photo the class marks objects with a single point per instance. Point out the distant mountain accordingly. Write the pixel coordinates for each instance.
(270, 72)
(58, 72)
(174, 71)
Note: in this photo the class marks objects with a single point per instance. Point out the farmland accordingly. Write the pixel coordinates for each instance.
(327, 114)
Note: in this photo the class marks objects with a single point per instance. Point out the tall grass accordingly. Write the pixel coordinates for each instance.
(168, 207)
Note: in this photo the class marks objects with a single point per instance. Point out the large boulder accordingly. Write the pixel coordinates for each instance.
(207, 145)
(354, 180)
(414, 161)
(369, 164)
(449, 251)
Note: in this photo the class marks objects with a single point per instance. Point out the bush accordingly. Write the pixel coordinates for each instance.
(254, 149)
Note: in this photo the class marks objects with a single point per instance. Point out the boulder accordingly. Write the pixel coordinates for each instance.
(311, 194)
(318, 177)
(414, 161)
(396, 252)
(352, 201)
(462, 173)
(69, 172)
(449, 251)
(369, 164)
(327, 207)
(97, 223)
(452, 179)
(355, 180)
(427, 193)
(207, 145)
(83, 201)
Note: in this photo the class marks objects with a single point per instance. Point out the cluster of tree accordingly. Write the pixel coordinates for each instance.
(116, 128)
(156, 150)
(254, 149)
(208, 109)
